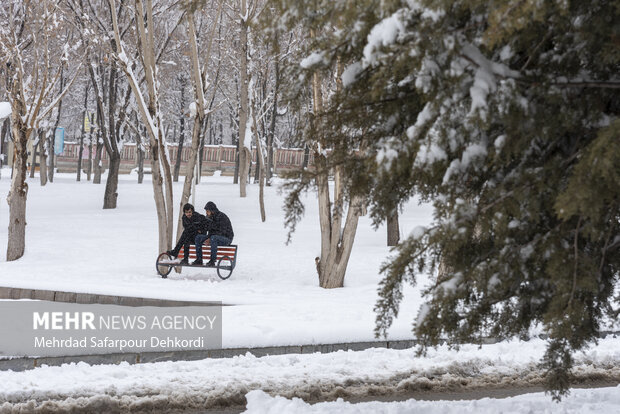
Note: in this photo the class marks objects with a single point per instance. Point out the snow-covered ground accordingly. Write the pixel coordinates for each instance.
(221, 382)
(589, 401)
(72, 244)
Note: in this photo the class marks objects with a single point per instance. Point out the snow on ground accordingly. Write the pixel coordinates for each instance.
(208, 383)
(72, 244)
(580, 401)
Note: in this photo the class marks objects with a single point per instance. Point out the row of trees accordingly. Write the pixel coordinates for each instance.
(130, 67)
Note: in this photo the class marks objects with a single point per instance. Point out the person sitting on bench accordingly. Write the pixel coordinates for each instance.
(220, 233)
(193, 224)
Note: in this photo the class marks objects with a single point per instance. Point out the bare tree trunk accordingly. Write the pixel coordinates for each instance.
(140, 164)
(306, 159)
(272, 126)
(98, 163)
(199, 99)
(80, 154)
(325, 219)
(140, 152)
(236, 173)
(52, 141)
(102, 130)
(43, 158)
(340, 253)
(201, 156)
(111, 194)
(81, 149)
(244, 159)
(235, 141)
(33, 162)
(177, 165)
(189, 175)
(110, 137)
(151, 116)
(52, 147)
(89, 167)
(26, 94)
(260, 165)
(393, 233)
(196, 149)
(256, 169)
(19, 188)
(261, 193)
(336, 242)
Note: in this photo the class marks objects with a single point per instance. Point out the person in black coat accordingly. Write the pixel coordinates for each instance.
(193, 225)
(218, 229)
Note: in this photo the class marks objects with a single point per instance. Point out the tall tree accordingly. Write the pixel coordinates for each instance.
(182, 81)
(51, 135)
(520, 98)
(150, 112)
(33, 71)
(505, 116)
(83, 132)
(339, 211)
(243, 146)
(199, 83)
(93, 19)
(393, 231)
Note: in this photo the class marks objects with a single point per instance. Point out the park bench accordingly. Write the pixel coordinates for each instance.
(224, 263)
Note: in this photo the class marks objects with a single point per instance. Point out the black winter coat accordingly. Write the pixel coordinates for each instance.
(219, 224)
(195, 224)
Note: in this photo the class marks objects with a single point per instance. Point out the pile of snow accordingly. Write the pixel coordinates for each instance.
(580, 401)
(223, 382)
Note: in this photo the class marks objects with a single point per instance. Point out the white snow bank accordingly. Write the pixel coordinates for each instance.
(595, 401)
(214, 381)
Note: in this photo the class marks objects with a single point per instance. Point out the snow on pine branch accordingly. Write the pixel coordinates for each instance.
(393, 29)
(385, 33)
(312, 60)
(389, 150)
(350, 73)
(485, 77)
(472, 152)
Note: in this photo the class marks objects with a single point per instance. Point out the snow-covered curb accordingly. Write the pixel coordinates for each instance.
(222, 382)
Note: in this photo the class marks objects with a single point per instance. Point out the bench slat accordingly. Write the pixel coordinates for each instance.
(222, 251)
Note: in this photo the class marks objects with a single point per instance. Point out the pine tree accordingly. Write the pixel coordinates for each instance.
(504, 115)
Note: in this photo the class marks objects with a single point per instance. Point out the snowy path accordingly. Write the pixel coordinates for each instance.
(225, 382)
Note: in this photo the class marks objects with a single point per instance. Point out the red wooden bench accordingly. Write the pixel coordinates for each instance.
(224, 263)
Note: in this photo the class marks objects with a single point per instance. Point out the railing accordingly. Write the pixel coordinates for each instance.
(214, 157)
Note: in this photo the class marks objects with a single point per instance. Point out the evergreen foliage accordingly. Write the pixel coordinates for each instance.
(504, 115)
